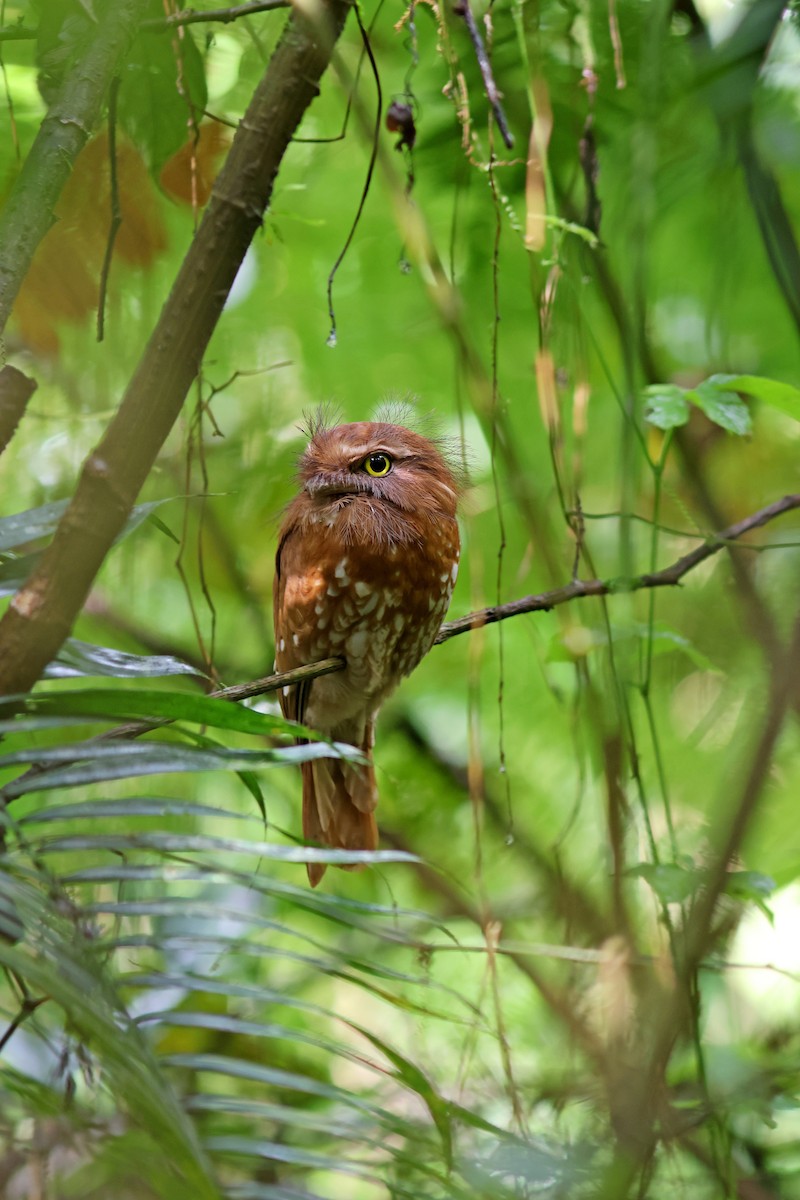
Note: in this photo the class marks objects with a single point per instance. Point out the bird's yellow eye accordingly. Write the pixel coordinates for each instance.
(377, 465)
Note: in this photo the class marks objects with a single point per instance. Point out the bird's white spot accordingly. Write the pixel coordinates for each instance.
(341, 572)
(336, 636)
(357, 644)
(322, 623)
(362, 588)
(444, 578)
(282, 645)
(431, 603)
(399, 621)
(286, 690)
(295, 639)
(454, 572)
(319, 608)
(332, 590)
(371, 604)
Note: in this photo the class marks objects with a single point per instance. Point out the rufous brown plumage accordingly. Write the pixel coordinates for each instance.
(366, 564)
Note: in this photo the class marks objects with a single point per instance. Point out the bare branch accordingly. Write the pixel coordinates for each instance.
(17, 33)
(462, 9)
(273, 683)
(190, 16)
(187, 16)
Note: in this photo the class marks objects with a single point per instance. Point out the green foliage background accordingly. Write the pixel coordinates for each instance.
(466, 1017)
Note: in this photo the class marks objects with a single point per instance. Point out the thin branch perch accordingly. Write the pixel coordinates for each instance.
(191, 16)
(667, 577)
(543, 602)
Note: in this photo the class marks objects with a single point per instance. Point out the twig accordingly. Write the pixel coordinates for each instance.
(272, 683)
(28, 1007)
(116, 211)
(367, 181)
(70, 120)
(190, 16)
(667, 577)
(18, 33)
(462, 9)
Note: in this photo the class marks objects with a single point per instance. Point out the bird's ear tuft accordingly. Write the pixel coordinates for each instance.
(405, 410)
(401, 410)
(319, 420)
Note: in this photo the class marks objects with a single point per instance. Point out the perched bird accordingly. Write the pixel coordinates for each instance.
(366, 564)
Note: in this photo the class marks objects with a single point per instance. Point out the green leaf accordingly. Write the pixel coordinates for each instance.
(119, 704)
(415, 1079)
(782, 396)
(15, 571)
(722, 406)
(665, 641)
(666, 406)
(540, 1166)
(671, 883)
(21, 528)
(749, 885)
(77, 983)
(97, 762)
(163, 89)
(279, 1152)
(24, 527)
(131, 806)
(753, 887)
(250, 781)
(82, 658)
(169, 843)
(64, 29)
(270, 1077)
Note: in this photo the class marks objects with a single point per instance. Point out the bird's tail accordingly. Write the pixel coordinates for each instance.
(338, 803)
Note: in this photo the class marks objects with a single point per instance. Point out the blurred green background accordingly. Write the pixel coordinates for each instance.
(551, 774)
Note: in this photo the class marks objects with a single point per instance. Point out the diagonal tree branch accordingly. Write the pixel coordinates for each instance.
(42, 613)
(68, 125)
